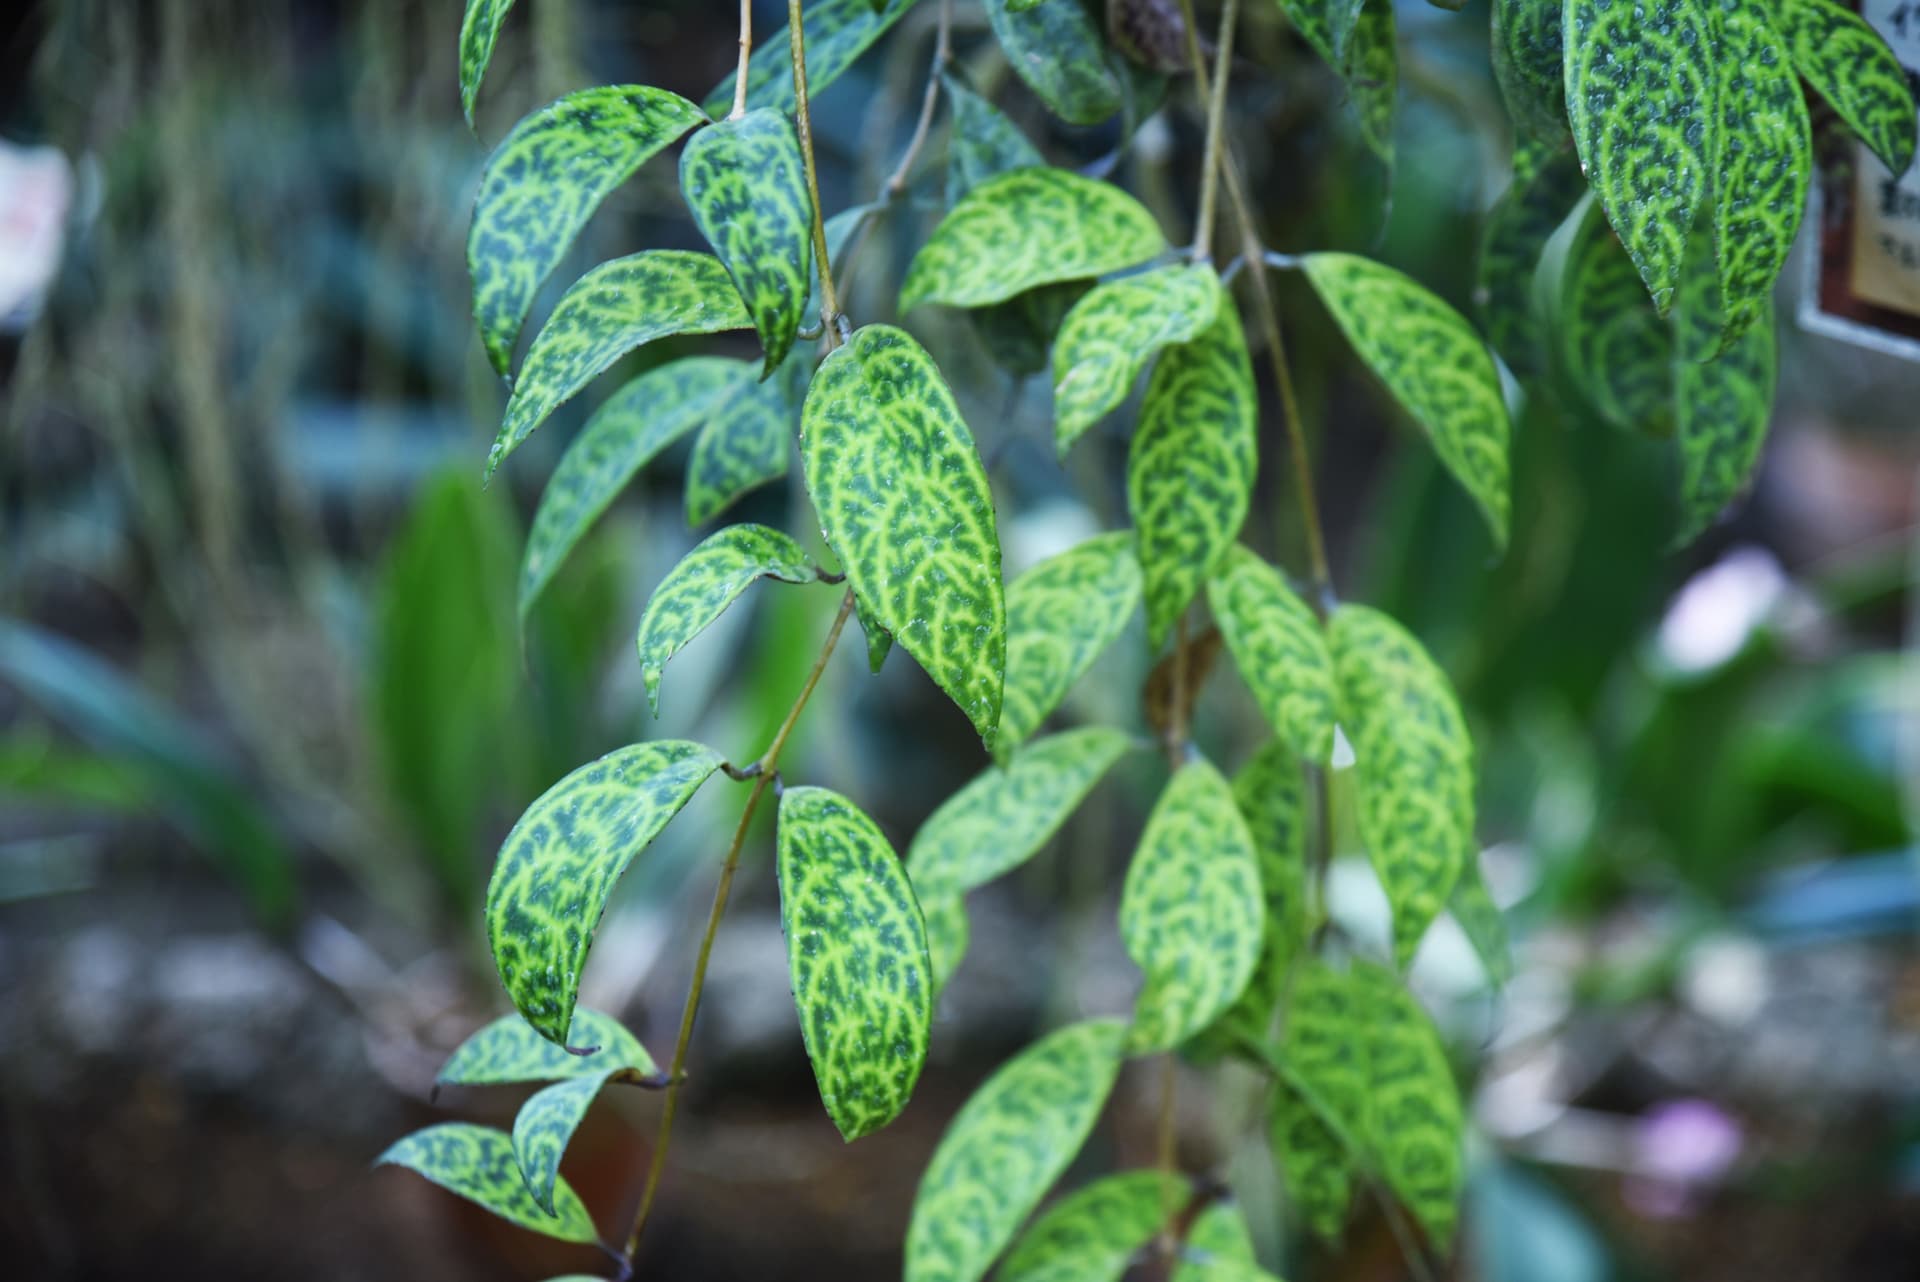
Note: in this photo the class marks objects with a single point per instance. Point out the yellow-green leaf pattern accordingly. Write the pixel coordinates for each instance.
(509, 1050)
(1616, 350)
(541, 185)
(558, 865)
(982, 142)
(1092, 1234)
(479, 30)
(1111, 334)
(1280, 649)
(1546, 185)
(544, 1126)
(1219, 1248)
(1416, 1124)
(1850, 66)
(746, 443)
(1374, 75)
(1314, 1164)
(857, 957)
(1529, 62)
(1006, 1147)
(837, 33)
(903, 500)
(1322, 1111)
(948, 934)
(479, 1165)
(1058, 51)
(1061, 615)
(1721, 407)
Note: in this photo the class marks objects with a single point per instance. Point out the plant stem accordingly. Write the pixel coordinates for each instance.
(746, 51)
(829, 302)
(942, 55)
(1169, 1158)
(1216, 117)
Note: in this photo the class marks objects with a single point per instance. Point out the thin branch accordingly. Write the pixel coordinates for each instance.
(1216, 118)
(829, 301)
(942, 55)
(1169, 1160)
(746, 51)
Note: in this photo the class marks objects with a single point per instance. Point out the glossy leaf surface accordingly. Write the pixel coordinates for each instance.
(1061, 616)
(1850, 66)
(1111, 334)
(837, 33)
(1280, 649)
(479, 1165)
(510, 1050)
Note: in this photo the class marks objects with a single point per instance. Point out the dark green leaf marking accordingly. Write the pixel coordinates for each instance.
(1415, 1106)
(1546, 185)
(1058, 51)
(1314, 1163)
(510, 1050)
(982, 143)
(1061, 615)
(545, 1125)
(1113, 332)
(1721, 407)
(1374, 76)
(1280, 649)
(1092, 1234)
(746, 443)
(1529, 61)
(1852, 68)
(479, 30)
(1615, 349)
(1322, 1110)
(479, 1165)
(837, 32)
(1270, 791)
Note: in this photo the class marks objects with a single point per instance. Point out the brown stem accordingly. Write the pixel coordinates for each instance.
(1216, 118)
(942, 54)
(746, 51)
(1169, 1160)
(803, 115)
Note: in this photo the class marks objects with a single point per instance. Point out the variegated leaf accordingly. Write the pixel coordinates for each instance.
(479, 1165)
(1373, 76)
(837, 33)
(1847, 62)
(1415, 1106)
(1546, 185)
(982, 142)
(1094, 1233)
(1061, 615)
(1327, 25)
(1721, 407)
(856, 956)
(1004, 815)
(611, 310)
(903, 500)
(479, 31)
(1280, 649)
(541, 185)
(1529, 61)
(1433, 363)
(746, 443)
(1058, 51)
(1482, 922)
(558, 865)
(1315, 1166)
(1006, 1147)
(545, 1125)
(1190, 471)
(1027, 228)
(948, 934)
(1191, 911)
(1615, 349)
(1113, 332)
(509, 1050)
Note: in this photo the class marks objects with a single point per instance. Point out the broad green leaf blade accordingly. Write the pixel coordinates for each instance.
(948, 934)
(1850, 66)
(837, 33)
(982, 142)
(1061, 616)
(1546, 185)
(559, 863)
(903, 500)
(1191, 911)
(1219, 1248)
(1529, 61)
(747, 187)
(1327, 25)
(1721, 408)
(1092, 1234)
(1003, 816)
(857, 957)
(705, 582)
(879, 640)
(1417, 1124)
(1314, 1164)
(509, 1050)
(541, 185)
(1373, 76)
(1482, 922)
(543, 1127)
(1280, 649)
(1190, 471)
(479, 1165)
(1271, 792)
(746, 443)
(1614, 348)
(1025, 228)
(611, 310)
(1434, 364)
(623, 436)
(1640, 92)
(1006, 1147)
(479, 30)
(1323, 1053)
(1414, 764)
(1113, 332)
(1058, 51)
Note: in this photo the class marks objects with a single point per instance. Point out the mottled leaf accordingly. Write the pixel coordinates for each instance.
(559, 864)
(1615, 349)
(1005, 1148)
(903, 500)
(479, 1165)
(1327, 25)
(1058, 51)
(982, 142)
(479, 30)
(1026, 228)
(1004, 815)
(857, 958)
(1062, 615)
(746, 442)
(1434, 364)
(1373, 75)
(1271, 792)
(545, 1125)
(1847, 62)
(1415, 1106)
(1529, 62)
(837, 33)
(509, 1050)
(1191, 911)
(541, 185)
(1092, 1234)
(1190, 471)
(1280, 649)
(1481, 921)
(1546, 185)
(1314, 1164)
(1113, 332)
(1721, 407)
(948, 933)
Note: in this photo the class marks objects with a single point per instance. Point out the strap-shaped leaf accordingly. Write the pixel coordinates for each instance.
(1191, 912)
(903, 500)
(1190, 471)
(1482, 922)
(509, 1050)
(479, 30)
(541, 185)
(1640, 93)
(1058, 51)
(1529, 62)
(747, 187)
(1546, 185)
(1092, 1234)
(1026, 228)
(544, 1126)
(1314, 1163)
(624, 435)
(1434, 364)
(948, 934)
(611, 310)
(1415, 1105)
(1850, 66)
(1721, 407)
(1004, 815)
(746, 443)
(1113, 332)
(1414, 763)
(479, 1165)
(1061, 615)
(857, 958)
(1616, 350)
(699, 589)
(982, 143)
(1006, 1147)
(1280, 649)
(837, 33)
(1271, 792)
(558, 865)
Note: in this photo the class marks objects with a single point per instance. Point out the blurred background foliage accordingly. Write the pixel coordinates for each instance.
(266, 709)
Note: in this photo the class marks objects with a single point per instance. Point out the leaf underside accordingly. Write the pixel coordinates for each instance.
(479, 1165)
(510, 1050)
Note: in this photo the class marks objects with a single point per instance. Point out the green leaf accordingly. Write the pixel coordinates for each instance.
(1058, 51)
(1280, 649)
(1327, 25)
(1323, 1066)
(1640, 93)
(1721, 407)
(1433, 363)
(1615, 348)
(541, 185)
(558, 865)
(982, 142)
(1190, 471)
(623, 435)
(1219, 1248)
(746, 442)
(747, 187)
(1482, 922)
(545, 1125)
(1005, 1147)
(837, 33)
(903, 500)
(705, 582)
(479, 1165)
(948, 934)
(1092, 1234)
(479, 29)
(1061, 615)
(879, 640)
(1546, 185)
(1314, 1163)
(1191, 911)
(1018, 333)
(611, 310)
(1415, 1106)
(1026, 228)
(1850, 66)
(857, 955)
(1414, 763)
(1003, 816)
(1271, 792)
(1374, 76)
(1529, 61)
(1113, 332)
(510, 1050)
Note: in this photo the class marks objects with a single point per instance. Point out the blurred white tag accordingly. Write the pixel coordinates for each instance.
(36, 190)
(1886, 209)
